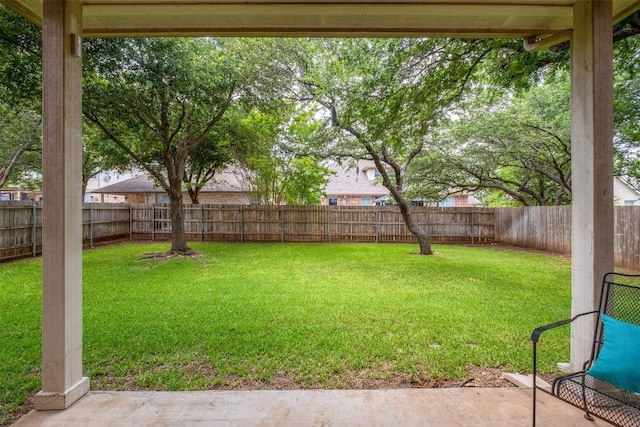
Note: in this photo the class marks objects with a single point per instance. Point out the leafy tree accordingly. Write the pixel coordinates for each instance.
(158, 100)
(519, 147)
(384, 97)
(270, 172)
(20, 104)
(306, 182)
(164, 103)
(207, 159)
(20, 144)
(20, 60)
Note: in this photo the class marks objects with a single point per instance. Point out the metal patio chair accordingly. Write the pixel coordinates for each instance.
(609, 387)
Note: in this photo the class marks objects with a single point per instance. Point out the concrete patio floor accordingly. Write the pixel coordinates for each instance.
(466, 406)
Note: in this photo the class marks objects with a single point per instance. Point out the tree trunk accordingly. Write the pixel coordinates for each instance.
(178, 235)
(5, 170)
(84, 188)
(194, 194)
(175, 172)
(415, 229)
(396, 192)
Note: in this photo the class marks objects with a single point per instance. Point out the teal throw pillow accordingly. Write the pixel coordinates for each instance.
(619, 358)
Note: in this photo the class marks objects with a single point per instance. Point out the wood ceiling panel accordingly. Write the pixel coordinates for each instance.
(464, 18)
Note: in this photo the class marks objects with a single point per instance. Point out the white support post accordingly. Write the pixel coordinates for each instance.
(62, 379)
(592, 165)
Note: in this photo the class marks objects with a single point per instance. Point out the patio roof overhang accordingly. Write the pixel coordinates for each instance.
(586, 23)
(426, 18)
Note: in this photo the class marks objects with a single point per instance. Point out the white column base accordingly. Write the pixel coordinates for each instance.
(48, 401)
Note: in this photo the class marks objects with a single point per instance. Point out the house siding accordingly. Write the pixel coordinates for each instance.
(351, 200)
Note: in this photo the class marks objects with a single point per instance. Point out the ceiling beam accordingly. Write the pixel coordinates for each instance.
(350, 18)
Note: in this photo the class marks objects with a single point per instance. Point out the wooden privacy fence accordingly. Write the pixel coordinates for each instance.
(20, 230)
(542, 228)
(21, 235)
(21, 227)
(254, 223)
(548, 228)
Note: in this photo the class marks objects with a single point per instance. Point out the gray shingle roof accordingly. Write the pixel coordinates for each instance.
(354, 181)
(224, 182)
(346, 181)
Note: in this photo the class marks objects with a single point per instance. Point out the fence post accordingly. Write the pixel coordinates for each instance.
(91, 226)
(329, 223)
(377, 224)
(34, 231)
(472, 212)
(153, 223)
(424, 220)
(130, 223)
(201, 223)
(241, 223)
(281, 223)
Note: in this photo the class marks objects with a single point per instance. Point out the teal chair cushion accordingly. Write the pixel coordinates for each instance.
(619, 360)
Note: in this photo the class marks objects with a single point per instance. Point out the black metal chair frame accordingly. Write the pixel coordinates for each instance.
(606, 401)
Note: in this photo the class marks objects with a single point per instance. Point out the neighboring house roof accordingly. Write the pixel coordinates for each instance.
(354, 180)
(349, 181)
(138, 184)
(346, 180)
(224, 182)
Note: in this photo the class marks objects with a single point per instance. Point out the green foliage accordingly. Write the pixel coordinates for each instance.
(509, 66)
(20, 90)
(516, 148)
(20, 60)
(626, 111)
(99, 153)
(318, 314)
(159, 99)
(261, 166)
(268, 169)
(383, 97)
(20, 146)
(306, 182)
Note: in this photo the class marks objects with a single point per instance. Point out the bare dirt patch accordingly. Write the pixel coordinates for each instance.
(169, 255)
(369, 379)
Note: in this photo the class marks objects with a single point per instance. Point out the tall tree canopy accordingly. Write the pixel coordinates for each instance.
(20, 103)
(159, 100)
(166, 103)
(384, 96)
(514, 149)
(627, 110)
(513, 146)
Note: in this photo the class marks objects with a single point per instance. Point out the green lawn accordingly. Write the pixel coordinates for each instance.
(295, 315)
